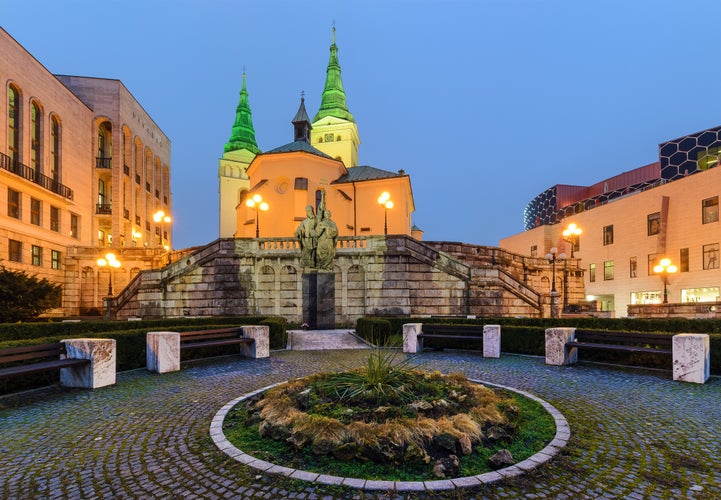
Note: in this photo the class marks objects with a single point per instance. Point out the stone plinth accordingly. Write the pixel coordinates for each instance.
(410, 337)
(162, 351)
(319, 300)
(556, 352)
(101, 370)
(691, 357)
(261, 347)
(491, 341)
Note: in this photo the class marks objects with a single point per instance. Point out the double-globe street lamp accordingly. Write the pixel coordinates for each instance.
(160, 217)
(571, 234)
(664, 268)
(256, 201)
(111, 262)
(385, 200)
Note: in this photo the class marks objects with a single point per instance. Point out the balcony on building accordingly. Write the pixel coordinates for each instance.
(103, 162)
(17, 168)
(103, 209)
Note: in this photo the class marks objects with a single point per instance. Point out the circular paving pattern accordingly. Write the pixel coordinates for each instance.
(634, 434)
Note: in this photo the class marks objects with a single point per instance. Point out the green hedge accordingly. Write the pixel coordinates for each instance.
(377, 331)
(130, 341)
(527, 335)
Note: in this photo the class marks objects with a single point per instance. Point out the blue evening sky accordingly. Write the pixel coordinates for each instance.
(485, 103)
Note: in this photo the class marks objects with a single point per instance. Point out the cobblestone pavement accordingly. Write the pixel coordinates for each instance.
(635, 434)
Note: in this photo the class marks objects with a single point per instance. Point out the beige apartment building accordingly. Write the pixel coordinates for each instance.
(665, 210)
(84, 171)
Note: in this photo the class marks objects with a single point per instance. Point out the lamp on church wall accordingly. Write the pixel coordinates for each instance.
(256, 202)
(385, 200)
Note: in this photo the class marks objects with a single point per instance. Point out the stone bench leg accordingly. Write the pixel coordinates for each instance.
(411, 344)
(691, 357)
(101, 370)
(556, 352)
(491, 341)
(162, 351)
(261, 347)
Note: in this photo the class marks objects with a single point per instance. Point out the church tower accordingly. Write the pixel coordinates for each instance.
(334, 129)
(239, 151)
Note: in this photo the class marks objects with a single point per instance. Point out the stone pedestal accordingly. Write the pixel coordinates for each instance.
(261, 347)
(162, 351)
(691, 357)
(410, 337)
(319, 300)
(491, 341)
(101, 370)
(556, 352)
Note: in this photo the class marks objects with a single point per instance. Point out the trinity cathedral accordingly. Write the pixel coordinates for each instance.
(322, 158)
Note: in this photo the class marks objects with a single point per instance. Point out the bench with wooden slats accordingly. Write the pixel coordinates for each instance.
(646, 343)
(213, 338)
(451, 332)
(36, 358)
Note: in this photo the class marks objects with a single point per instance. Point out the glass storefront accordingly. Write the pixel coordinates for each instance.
(652, 297)
(705, 294)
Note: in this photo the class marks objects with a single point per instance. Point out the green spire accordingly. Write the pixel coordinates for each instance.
(243, 134)
(333, 100)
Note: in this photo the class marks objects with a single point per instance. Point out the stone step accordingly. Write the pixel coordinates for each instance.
(318, 340)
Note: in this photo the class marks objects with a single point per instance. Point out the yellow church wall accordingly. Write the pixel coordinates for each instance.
(337, 138)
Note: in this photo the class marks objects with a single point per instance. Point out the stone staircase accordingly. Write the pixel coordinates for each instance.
(319, 340)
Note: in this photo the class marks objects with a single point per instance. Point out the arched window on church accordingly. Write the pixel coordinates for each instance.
(318, 197)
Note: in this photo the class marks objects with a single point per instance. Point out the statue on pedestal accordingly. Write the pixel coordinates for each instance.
(317, 235)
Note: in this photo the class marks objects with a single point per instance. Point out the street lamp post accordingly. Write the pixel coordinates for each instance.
(664, 268)
(385, 200)
(257, 202)
(112, 263)
(552, 256)
(162, 218)
(571, 234)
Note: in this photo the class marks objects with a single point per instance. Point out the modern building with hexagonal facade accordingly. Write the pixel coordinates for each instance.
(630, 222)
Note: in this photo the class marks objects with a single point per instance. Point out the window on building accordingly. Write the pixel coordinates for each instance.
(37, 253)
(13, 124)
(648, 297)
(14, 206)
(710, 256)
(683, 260)
(608, 235)
(534, 250)
(301, 183)
(15, 251)
(709, 208)
(101, 193)
(318, 198)
(101, 237)
(592, 273)
(705, 294)
(75, 226)
(652, 261)
(607, 270)
(632, 267)
(36, 210)
(55, 149)
(54, 219)
(653, 223)
(35, 137)
(55, 259)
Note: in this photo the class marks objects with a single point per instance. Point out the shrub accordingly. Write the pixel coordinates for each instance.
(25, 297)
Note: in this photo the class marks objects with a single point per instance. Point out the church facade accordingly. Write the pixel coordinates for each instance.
(320, 163)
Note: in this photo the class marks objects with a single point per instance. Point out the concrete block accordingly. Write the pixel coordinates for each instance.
(162, 351)
(410, 337)
(261, 347)
(556, 352)
(491, 341)
(101, 370)
(691, 357)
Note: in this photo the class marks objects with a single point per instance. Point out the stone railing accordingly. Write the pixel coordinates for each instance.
(293, 244)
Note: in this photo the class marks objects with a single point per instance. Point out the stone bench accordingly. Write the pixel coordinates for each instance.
(85, 363)
(690, 353)
(489, 335)
(163, 348)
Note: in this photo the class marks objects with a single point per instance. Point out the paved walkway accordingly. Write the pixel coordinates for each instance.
(319, 340)
(635, 434)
